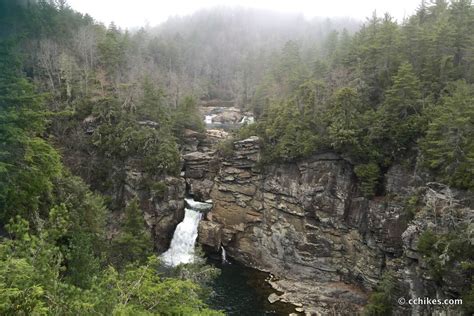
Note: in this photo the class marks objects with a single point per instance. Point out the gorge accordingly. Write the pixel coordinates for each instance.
(236, 161)
(308, 224)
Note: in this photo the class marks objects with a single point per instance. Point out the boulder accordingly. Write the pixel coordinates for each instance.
(210, 234)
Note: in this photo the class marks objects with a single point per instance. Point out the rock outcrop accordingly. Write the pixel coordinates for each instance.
(200, 169)
(161, 199)
(307, 224)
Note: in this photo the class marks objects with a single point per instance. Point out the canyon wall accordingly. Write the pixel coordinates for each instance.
(162, 200)
(326, 245)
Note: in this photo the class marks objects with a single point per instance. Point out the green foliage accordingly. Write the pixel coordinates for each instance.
(35, 277)
(249, 130)
(368, 175)
(412, 205)
(187, 116)
(28, 164)
(375, 98)
(19, 294)
(370, 97)
(447, 251)
(87, 211)
(159, 189)
(140, 290)
(32, 284)
(152, 106)
(133, 244)
(375, 56)
(282, 79)
(112, 50)
(344, 120)
(284, 132)
(401, 113)
(448, 148)
(83, 264)
(289, 71)
(381, 300)
(52, 258)
(120, 136)
(426, 242)
(225, 148)
(198, 272)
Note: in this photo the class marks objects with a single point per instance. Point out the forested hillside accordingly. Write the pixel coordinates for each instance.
(390, 93)
(58, 67)
(82, 103)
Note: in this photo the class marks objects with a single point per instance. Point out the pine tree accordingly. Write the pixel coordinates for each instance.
(344, 119)
(28, 164)
(133, 243)
(448, 148)
(289, 73)
(401, 114)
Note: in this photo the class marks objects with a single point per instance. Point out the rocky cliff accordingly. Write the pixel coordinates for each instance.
(162, 200)
(307, 223)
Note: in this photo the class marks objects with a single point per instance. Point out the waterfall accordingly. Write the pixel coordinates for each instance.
(223, 255)
(200, 206)
(208, 118)
(184, 238)
(247, 120)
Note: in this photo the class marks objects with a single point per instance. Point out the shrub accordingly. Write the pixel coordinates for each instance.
(225, 148)
(368, 175)
(380, 301)
(159, 189)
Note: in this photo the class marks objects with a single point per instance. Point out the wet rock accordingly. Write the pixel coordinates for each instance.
(321, 298)
(308, 224)
(272, 298)
(210, 234)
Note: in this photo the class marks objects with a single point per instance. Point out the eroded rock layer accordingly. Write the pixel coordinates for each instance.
(308, 225)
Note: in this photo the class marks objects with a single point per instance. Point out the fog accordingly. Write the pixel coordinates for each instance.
(137, 13)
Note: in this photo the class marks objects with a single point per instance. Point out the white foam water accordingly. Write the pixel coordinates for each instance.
(200, 206)
(182, 245)
(208, 118)
(223, 255)
(184, 238)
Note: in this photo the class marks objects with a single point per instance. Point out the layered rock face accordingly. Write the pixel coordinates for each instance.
(200, 161)
(290, 220)
(307, 224)
(161, 199)
(200, 170)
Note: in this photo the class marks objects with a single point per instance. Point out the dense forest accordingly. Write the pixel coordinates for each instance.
(389, 93)
(80, 101)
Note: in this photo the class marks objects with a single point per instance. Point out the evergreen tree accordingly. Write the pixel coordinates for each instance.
(187, 116)
(133, 243)
(344, 120)
(289, 72)
(401, 113)
(448, 148)
(28, 164)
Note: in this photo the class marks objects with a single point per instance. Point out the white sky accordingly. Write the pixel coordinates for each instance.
(132, 13)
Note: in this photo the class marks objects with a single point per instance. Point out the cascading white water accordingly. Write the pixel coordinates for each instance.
(184, 238)
(208, 118)
(247, 120)
(223, 255)
(200, 206)
(182, 245)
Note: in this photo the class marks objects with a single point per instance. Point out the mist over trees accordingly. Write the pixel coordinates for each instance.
(224, 53)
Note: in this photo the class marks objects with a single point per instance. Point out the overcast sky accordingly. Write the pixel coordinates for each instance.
(132, 13)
